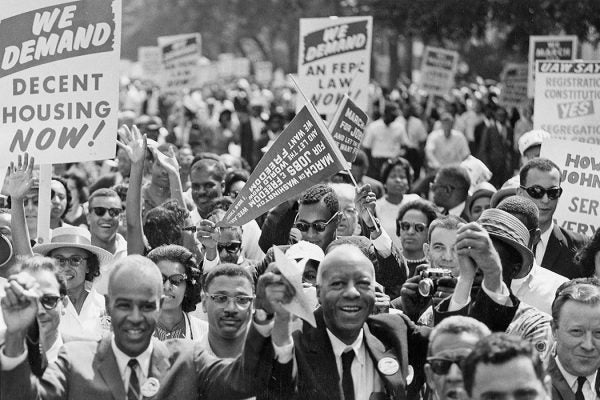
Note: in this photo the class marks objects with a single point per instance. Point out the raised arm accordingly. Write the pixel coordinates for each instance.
(134, 145)
(19, 181)
(169, 163)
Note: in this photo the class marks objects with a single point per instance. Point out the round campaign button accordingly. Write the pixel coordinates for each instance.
(150, 387)
(388, 366)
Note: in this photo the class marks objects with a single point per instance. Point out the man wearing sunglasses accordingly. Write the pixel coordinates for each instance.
(105, 207)
(450, 342)
(540, 182)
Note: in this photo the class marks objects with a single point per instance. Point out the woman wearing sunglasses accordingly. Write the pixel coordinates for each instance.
(397, 177)
(181, 293)
(78, 260)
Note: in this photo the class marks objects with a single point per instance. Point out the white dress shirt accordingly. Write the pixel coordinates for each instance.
(588, 387)
(538, 288)
(143, 360)
(540, 248)
(364, 375)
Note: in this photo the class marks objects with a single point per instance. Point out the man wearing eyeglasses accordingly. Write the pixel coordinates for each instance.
(450, 342)
(450, 190)
(540, 182)
(105, 207)
(227, 301)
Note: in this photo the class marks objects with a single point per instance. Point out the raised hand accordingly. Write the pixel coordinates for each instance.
(207, 233)
(168, 162)
(364, 202)
(20, 305)
(133, 142)
(19, 179)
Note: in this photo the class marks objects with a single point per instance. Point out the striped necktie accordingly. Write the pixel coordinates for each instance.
(133, 389)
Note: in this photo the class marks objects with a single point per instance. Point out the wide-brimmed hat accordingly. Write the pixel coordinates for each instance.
(73, 236)
(507, 228)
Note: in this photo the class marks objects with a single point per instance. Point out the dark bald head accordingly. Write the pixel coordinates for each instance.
(135, 270)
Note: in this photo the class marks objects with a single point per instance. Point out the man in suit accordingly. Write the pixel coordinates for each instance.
(352, 353)
(450, 190)
(576, 323)
(130, 364)
(503, 366)
(540, 182)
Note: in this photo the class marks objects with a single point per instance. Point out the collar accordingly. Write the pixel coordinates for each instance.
(572, 379)
(457, 210)
(546, 235)
(517, 283)
(122, 358)
(339, 346)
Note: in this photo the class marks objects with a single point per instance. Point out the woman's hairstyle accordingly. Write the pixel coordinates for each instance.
(80, 186)
(164, 224)
(40, 263)
(389, 165)
(183, 256)
(232, 177)
(585, 257)
(67, 191)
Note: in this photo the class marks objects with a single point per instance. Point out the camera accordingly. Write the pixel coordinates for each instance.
(429, 280)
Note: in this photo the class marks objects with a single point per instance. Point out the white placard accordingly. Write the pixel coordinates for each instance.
(438, 70)
(548, 48)
(180, 56)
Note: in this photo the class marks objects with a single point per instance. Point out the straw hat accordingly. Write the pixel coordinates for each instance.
(72, 236)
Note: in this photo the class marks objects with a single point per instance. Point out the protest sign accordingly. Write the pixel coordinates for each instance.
(59, 79)
(334, 59)
(150, 59)
(207, 74)
(180, 56)
(263, 72)
(567, 100)
(438, 69)
(578, 209)
(241, 67)
(225, 65)
(548, 48)
(348, 128)
(303, 155)
(513, 93)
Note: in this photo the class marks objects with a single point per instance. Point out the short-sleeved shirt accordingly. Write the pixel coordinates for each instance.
(385, 141)
(446, 150)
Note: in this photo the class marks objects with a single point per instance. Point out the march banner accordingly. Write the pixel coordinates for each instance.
(180, 56)
(334, 59)
(303, 155)
(59, 79)
(150, 59)
(348, 128)
(513, 86)
(567, 100)
(548, 48)
(578, 208)
(438, 70)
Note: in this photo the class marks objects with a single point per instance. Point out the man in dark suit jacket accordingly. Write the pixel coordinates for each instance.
(164, 370)
(387, 352)
(540, 182)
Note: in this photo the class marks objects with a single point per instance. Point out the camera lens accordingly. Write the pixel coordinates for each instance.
(426, 287)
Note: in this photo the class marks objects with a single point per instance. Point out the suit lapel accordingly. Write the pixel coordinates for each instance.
(553, 247)
(559, 384)
(377, 350)
(109, 370)
(159, 363)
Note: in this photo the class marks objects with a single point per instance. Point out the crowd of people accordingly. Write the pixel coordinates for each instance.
(442, 275)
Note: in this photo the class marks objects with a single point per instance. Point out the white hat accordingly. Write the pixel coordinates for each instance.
(532, 138)
(73, 236)
(305, 250)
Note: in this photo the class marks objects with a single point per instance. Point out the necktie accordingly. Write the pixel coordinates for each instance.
(347, 383)
(579, 393)
(133, 390)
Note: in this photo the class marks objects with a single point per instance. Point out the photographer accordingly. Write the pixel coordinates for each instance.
(440, 252)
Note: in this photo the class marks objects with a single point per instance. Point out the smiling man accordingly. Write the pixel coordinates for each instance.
(130, 363)
(350, 352)
(103, 219)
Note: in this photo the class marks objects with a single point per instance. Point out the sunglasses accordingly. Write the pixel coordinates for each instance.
(441, 366)
(537, 192)
(419, 227)
(73, 261)
(175, 279)
(242, 302)
(113, 212)
(230, 247)
(317, 226)
(49, 302)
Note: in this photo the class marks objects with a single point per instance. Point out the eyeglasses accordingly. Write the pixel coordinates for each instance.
(242, 302)
(441, 365)
(419, 227)
(74, 261)
(230, 247)
(317, 226)
(113, 212)
(49, 301)
(441, 187)
(175, 279)
(537, 191)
